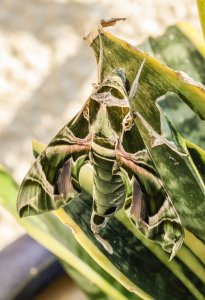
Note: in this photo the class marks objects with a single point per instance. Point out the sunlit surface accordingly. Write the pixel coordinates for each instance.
(46, 69)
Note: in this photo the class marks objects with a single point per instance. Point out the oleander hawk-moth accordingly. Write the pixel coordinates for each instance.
(104, 134)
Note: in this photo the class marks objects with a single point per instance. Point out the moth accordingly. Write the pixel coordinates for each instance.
(104, 134)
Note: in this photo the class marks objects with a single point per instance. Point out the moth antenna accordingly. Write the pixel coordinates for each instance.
(134, 86)
(100, 62)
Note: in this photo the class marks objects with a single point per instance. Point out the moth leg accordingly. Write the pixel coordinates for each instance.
(66, 180)
(127, 122)
(63, 185)
(138, 207)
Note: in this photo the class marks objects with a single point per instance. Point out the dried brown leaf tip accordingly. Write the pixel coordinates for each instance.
(110, 22)
(99, 29)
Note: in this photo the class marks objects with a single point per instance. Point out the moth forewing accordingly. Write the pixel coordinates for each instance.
(51, 181)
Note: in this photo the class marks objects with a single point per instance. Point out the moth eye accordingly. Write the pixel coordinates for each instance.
(111, 210)
(98, 220)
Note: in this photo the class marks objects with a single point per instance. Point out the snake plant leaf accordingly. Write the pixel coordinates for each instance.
(57, 238)
(77, 215)
(141, 268)
(171, 164)
(187, 54)
(139, 265)
(118, 53)
(198, 156)
(196, 153)
(53, 180)
(201, 9)
(156, 79)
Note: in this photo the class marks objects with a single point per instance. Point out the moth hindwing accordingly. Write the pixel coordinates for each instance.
(104, 134)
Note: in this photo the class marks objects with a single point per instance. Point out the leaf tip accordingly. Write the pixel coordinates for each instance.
(89, 37)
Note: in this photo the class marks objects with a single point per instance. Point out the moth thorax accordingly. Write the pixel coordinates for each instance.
(101, 126)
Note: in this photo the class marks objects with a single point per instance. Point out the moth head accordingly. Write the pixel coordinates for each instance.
(118, 81)
(110, 100)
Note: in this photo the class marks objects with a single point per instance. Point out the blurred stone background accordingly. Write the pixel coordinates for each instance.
(46, 69)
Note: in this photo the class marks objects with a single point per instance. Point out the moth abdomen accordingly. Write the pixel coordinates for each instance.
(108, 188)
